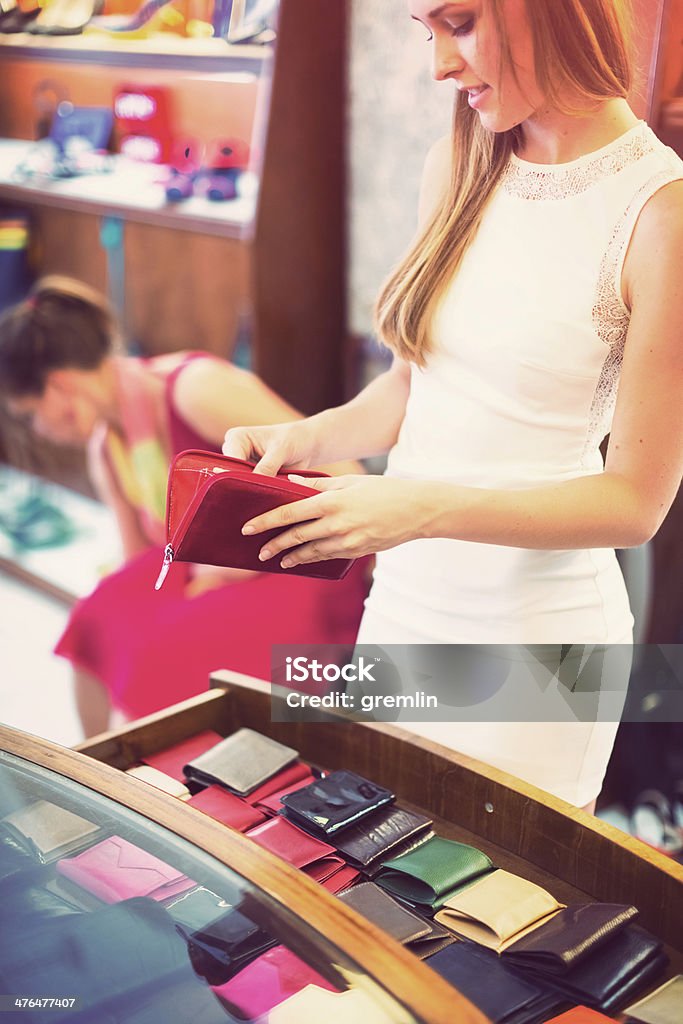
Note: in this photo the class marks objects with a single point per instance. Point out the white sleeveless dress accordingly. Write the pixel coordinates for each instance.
(519, 392)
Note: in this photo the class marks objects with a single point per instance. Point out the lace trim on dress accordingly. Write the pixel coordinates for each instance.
(533, 181)
(610, 316)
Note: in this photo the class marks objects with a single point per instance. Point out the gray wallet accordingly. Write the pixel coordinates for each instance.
(55, 831)
(242, 762)
(420, 936)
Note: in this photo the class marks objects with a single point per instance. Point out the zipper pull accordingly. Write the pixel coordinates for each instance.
(168, 558)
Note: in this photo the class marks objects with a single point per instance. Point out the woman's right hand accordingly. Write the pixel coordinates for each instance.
(289, 445)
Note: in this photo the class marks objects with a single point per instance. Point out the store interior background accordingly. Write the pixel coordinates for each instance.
(339, 124)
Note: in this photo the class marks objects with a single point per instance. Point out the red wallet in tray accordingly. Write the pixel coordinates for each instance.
(211, 497)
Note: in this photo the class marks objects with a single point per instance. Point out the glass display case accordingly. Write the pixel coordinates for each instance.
(146, 904)
(113, 911)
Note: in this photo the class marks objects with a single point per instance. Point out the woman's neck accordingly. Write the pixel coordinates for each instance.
(551, 137)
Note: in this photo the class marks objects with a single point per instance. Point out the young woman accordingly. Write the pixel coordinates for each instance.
(538, 310)
(132, 647)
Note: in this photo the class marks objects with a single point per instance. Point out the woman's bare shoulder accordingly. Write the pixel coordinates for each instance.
(657, 239)
(203, 377)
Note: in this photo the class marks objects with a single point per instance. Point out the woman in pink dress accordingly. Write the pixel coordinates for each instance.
(132, 648)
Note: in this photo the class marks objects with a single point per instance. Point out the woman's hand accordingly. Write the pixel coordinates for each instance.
(352, 516)
(293, 445)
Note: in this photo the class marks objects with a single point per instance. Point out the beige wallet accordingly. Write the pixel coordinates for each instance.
(160, 780)
(55, 831)
(498, 910)
(315, 1003)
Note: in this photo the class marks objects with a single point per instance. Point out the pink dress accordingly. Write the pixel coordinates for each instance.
(152, 648)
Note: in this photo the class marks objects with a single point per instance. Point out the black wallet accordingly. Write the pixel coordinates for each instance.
(242, 762)
(569, 937)
(618, 972)
(483, 978)
(385, 833)
(335, 802)
(420, 936)
(198, 908)
(228, 944)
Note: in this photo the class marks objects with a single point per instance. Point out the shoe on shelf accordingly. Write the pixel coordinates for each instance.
(186, 159)
(65, 17)
(227, 160)
(154, 17)
(652, 822)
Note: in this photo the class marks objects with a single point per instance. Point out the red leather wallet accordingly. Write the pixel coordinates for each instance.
(315, 858)
(226, 807)
(582, 1015)
(272, 804)
(342, 879)
(210, 498)
(171, 760)
(298, 772)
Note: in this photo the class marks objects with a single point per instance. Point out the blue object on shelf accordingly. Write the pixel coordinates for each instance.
(111, 240)
(91, 123)
(222, 10)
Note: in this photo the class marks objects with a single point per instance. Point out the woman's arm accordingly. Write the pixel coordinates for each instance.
(369, 424)
(621, 507)
(213, 396)
(103, 478)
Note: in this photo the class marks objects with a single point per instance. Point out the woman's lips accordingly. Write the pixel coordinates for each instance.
(477, 96)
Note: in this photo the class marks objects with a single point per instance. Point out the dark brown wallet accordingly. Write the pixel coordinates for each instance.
(387, 832)
(210, 498)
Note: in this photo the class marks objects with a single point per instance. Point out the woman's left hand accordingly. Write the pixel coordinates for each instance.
(351, 517)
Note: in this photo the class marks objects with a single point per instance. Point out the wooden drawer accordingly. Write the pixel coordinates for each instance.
(522, 829)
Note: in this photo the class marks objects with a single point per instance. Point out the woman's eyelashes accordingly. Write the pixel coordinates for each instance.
(462, 29)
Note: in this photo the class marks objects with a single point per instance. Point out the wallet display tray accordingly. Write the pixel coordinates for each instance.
(523, 830)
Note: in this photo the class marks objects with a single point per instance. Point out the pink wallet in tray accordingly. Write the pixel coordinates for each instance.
(267, 981)
(117, 870)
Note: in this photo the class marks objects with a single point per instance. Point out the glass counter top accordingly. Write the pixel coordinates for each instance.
(107, 916)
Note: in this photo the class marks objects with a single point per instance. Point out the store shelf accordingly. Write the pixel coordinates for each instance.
(131, 190)
(164, 50)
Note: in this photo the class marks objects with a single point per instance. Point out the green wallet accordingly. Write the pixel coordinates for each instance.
(433, 872)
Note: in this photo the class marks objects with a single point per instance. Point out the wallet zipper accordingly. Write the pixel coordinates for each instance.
(169, 555)
(186, 519)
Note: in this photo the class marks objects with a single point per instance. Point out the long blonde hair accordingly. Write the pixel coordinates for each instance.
(580, 51)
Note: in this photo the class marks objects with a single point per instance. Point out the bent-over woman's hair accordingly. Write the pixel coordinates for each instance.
(581, 55)
(62, 323)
